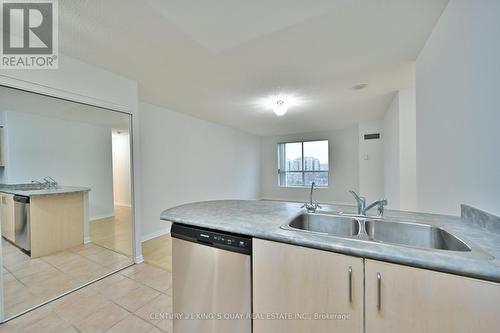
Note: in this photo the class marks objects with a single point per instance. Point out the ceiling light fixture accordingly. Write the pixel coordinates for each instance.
(280, 108)
(280, 103)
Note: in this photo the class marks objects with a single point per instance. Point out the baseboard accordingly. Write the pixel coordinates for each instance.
(138, 259)
(155, 234)
(100, 217)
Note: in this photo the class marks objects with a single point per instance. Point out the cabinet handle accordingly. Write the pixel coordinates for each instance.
(350, 284)
(379, 287)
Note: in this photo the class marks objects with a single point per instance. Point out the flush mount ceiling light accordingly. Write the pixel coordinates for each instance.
(280, 108)
(280, 103)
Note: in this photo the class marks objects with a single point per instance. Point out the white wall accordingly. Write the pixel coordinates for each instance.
(458, 103)
(121, 169)
(343, 167)
(391, 155)
(74, 153)
(407, 149)
(185, 159)
(400, 151)
(371, 161)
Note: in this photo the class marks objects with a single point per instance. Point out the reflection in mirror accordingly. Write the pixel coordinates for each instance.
(65, 196)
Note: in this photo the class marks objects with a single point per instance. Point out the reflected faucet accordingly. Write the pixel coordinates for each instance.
(362, 208)
(51, 182)
(310, 206)
(40, 184)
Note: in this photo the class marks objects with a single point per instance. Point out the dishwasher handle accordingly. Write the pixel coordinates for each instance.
(21, 199)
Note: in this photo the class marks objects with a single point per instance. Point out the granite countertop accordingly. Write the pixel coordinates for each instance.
(51, 191)
(263, 219)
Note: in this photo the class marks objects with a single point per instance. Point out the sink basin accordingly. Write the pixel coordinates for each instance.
(416, 235)
(325, 224)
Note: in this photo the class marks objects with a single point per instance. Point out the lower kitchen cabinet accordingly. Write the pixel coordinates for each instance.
(293, 284)
(7, 216)
(406, 299)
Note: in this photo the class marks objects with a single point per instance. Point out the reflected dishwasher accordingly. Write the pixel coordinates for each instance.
(212, 278)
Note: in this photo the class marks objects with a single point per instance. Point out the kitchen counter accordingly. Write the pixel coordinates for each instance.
(263, 219)
(51, 191)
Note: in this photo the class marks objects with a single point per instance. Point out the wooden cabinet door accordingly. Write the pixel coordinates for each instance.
(292, 285)
(7, 216)
(419, 300)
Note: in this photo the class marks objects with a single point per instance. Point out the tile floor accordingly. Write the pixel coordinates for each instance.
(29, 282)
(136, 299)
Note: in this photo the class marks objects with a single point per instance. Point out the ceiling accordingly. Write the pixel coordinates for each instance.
(27, 102)
(215, 59)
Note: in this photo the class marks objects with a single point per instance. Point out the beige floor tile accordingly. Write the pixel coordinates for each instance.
(74, 297)
(69, 329)
(49, 324)
(51, 285)
(118, 289)
(12, 310)
(166, 325)
(20, 323)
(108, 281)
(87, 249)
(75, 309)
(29, 282)
(137, 298)
(131, 324)
(102, 320)
(31, 267)
(60, 258)
(156, 310)
(151, 276)
(107, 258)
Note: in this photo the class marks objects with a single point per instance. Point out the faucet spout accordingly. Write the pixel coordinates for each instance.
(361, 202)
(311, 193)
(362, 208)
(311, 206)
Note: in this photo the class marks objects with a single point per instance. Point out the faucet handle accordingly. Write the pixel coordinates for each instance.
(380, 207)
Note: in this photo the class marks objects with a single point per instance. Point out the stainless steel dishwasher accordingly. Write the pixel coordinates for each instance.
(22, 222)
(212, 278)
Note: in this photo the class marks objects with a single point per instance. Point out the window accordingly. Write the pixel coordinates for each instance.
(301, 163)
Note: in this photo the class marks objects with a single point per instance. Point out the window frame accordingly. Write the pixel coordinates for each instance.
(282, 161)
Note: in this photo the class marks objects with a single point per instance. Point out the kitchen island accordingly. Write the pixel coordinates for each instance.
(43, 221)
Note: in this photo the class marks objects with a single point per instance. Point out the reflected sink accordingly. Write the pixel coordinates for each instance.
(416, 235)
(340, 226)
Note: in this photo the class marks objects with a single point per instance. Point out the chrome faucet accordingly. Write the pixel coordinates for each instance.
(310, 206)
(362, 208)
(36, 182)
(51, 182)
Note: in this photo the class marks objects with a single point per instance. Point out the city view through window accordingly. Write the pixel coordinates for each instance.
(301, 163)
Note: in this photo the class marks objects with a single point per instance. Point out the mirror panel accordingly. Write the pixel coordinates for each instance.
(65, 196)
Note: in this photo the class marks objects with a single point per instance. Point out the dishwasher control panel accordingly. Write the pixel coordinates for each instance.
(226, 241)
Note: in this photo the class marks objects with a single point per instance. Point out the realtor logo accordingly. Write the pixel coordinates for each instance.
(29, 34)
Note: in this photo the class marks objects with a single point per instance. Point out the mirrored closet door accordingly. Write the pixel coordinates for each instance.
(65, 196)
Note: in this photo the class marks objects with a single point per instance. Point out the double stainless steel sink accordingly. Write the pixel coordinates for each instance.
(378, 230)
